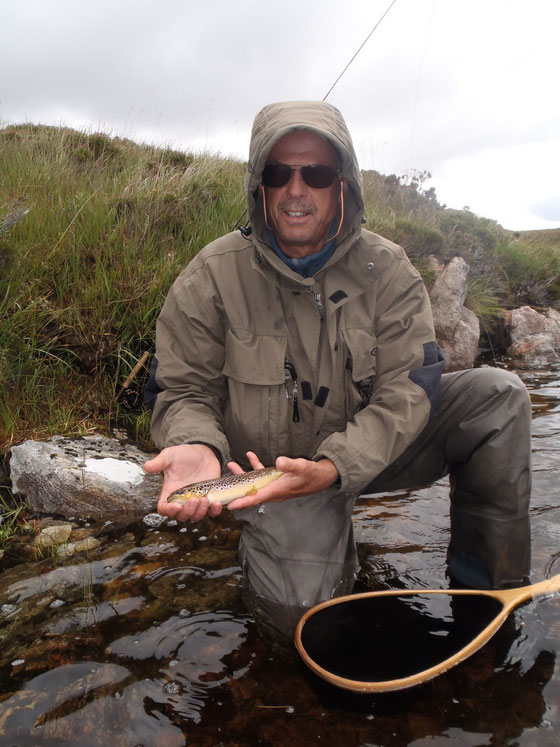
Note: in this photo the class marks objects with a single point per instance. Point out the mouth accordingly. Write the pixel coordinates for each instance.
(296, 213)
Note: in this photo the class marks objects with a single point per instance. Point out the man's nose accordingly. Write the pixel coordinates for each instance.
(296, 185)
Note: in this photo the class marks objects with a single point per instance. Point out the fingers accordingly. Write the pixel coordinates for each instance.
(254, 460)
(295, 466)
(167, 509)
(235, 468)
(215, 508)
(157, 464)
(194, 509)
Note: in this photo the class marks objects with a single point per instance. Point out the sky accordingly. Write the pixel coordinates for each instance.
(464, 89)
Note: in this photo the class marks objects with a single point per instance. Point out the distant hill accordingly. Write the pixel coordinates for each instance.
(549, 236)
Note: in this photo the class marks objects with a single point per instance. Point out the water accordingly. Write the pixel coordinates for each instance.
(381, 638)
(147, 641)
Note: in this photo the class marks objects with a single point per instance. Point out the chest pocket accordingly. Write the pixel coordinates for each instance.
(361, 367)
(254, 359)
(254, 366)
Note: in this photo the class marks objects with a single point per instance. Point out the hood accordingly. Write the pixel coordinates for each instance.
(277, 120)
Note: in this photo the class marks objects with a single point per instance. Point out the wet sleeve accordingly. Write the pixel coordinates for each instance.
(428, 376)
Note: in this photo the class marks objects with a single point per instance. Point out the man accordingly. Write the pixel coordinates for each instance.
(308, 342)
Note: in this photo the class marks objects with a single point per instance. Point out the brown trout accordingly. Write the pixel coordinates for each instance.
(227, 488)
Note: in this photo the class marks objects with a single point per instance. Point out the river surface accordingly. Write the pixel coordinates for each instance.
(146, 641)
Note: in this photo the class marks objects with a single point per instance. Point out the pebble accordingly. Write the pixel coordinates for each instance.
(153, 520)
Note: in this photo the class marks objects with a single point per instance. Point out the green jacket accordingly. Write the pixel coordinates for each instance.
(252, 356)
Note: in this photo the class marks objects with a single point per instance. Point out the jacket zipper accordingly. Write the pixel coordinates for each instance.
(318, 304)
(291, 375)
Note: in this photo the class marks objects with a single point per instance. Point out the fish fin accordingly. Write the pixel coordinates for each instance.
(252, 491)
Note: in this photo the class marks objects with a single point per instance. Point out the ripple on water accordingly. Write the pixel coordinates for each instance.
(183, 662)
(196, 653)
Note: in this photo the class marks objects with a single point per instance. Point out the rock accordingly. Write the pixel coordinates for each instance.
(435, 266)
(80, 477)
(81, 533)
(553, 324)
(49, 521)
(534, 338)
(87, 545)
(66, 550)
(462, 352)
(457, 328)
(53, 535)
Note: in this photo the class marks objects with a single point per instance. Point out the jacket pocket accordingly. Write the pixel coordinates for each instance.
(361, 367)
(255, 417)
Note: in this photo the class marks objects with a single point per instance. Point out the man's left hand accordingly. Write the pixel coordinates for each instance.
(301, 477)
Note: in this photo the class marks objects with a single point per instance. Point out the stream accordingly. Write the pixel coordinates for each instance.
(146, 641)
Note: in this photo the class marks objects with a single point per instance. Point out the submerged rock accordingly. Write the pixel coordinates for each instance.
(89, 476)
(87, 545)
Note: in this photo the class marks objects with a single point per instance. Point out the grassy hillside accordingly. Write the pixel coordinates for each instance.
(93, 231)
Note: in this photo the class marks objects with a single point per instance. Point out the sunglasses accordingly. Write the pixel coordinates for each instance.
(317, 176)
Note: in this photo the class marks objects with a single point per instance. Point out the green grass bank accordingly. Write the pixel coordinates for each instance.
(94, 229)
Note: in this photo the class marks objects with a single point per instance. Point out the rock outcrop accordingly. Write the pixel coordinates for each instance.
(534, 338)
(457, 328)
(80, 477)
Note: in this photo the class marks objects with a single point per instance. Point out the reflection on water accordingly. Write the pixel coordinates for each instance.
(147, 641)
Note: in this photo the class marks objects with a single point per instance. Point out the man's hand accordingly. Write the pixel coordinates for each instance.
(301, 477)
(181, 466)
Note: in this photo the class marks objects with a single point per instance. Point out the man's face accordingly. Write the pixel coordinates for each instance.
(300, 215)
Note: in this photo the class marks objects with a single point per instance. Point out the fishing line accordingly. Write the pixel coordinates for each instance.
(359, 50)
(413, 127)
(244, 229)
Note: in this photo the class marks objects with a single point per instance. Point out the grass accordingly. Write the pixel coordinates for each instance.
(93, 232)
(12, 518)
(531, 265)
(94, 229)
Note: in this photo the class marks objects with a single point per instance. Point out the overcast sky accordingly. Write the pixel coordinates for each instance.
(465, 89)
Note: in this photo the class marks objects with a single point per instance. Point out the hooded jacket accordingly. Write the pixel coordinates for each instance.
(253, 356)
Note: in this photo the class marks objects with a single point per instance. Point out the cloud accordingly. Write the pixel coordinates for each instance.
(547, 208)
(503, 183)
(437, 85)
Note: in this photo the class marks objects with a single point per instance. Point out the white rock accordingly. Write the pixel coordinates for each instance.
(81, 477)
(117, 470)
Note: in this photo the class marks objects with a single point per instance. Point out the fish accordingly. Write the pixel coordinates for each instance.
(227, 488)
